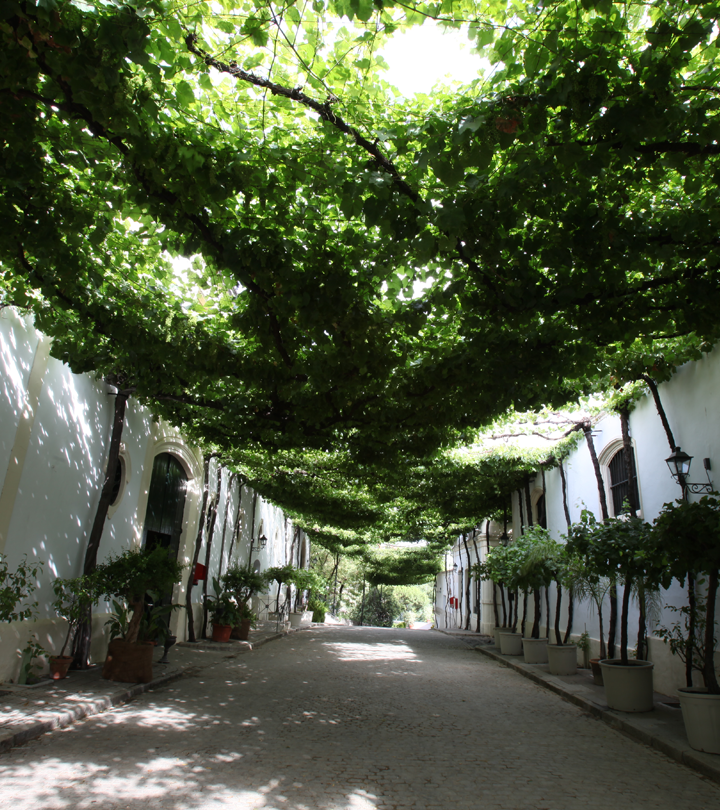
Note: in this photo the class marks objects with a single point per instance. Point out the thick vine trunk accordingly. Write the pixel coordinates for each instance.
(612, 625)
(502, 601)
(138, 608)
(478, 591)
(690, 643)
(612, 630)
(252, 535)
(547, 611)
(238, 518)
(641, 653)
(536, 617)
(603, 648)
(495, 606)
(558, 604)
(467, 584)
(563, 481)
(624, 619)
(83, 635)
(225, 521)
(196, 554)
(212, 517)
(571, 616)
(524, 616)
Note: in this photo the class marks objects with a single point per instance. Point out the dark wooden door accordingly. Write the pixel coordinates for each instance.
(166, 504)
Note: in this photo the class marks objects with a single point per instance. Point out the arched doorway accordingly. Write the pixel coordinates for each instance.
(166, 504)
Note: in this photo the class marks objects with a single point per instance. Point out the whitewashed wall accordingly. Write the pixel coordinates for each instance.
(691, 400)
(55, 429)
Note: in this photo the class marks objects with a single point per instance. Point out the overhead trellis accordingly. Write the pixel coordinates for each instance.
(370, 279)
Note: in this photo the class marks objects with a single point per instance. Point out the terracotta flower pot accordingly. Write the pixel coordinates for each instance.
(128, 663)
(59, 665)
(221, 632)
(596, 671)
(242, 631)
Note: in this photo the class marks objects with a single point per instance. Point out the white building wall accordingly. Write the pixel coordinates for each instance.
(690, 399)
(55, 429)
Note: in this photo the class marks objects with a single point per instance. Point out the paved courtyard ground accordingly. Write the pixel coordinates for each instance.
(348, 717)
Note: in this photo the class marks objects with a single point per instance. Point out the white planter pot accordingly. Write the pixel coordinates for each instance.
(510, 643)
(535, 650)
(497, 632)
(296, 619)
(701, 713)
(628, 687)
(562, 659)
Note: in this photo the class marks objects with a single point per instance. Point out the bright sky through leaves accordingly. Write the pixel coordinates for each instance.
(422, 57)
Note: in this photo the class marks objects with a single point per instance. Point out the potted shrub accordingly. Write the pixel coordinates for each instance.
(586, 585)
(622, 548)
(224, 612)
(243, 584)
(280, 574)
(73, 600)
(688, 536)
(128, 577)
(306, 582)
(498, 571)
(538, 569)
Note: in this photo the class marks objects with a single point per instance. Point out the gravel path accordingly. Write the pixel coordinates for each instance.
(344, 717)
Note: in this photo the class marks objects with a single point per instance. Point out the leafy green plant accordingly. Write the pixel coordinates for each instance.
(319, 609)
(16, 587)
(242, 583)
(623, 549)
(74, 599)
(30, 666)
(222, 606)
(130, 575)
(688, 535)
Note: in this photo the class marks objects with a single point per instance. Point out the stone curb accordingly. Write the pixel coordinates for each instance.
(614, 719)
(65, 717)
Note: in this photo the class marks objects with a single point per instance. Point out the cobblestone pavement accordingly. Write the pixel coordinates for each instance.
(350, 718)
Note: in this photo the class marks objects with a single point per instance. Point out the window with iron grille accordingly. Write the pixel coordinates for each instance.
(619, 484)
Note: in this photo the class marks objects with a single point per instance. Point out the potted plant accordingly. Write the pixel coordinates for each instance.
(688, 536)
(622, 548)
(225, 613)
(128, 578)
(497, 569)
(280, 574)
(586, 585)
(538, 569)
(73, 600)
(306, 582)
(243, 583)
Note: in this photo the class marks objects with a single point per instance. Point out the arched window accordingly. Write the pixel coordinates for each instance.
(619, 483)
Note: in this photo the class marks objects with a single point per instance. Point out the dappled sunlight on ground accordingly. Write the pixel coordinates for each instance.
(379, 651)
(330, 720)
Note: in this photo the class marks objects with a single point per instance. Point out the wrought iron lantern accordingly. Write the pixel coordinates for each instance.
(679, 466)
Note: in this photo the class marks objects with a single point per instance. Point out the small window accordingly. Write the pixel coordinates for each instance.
(619, 484)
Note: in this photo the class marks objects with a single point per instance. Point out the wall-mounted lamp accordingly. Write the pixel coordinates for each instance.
(455, 568)
(262, 541)
(679, 466)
